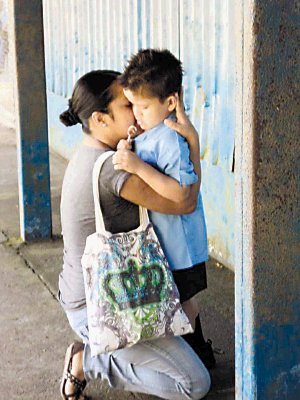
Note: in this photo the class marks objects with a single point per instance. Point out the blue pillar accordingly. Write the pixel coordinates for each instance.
(268, 259)
(33, 152)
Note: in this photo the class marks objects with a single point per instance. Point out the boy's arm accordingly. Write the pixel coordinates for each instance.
(163, 184)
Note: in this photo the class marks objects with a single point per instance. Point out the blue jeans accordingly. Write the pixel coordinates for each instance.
(165, 367)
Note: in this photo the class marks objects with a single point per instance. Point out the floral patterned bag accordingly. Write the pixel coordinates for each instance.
(130, 291)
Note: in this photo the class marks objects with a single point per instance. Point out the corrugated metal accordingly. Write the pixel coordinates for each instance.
(90, 34)
(84, 35)
(207, 52)
(159, 21)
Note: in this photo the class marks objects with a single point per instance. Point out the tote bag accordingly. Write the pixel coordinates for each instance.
(131, 295)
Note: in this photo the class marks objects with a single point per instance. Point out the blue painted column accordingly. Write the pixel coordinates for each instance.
(267, 223)
(33, 152)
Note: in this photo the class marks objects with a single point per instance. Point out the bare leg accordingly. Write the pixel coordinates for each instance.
(191, 309)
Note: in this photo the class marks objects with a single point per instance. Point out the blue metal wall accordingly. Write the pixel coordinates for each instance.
(92, 34)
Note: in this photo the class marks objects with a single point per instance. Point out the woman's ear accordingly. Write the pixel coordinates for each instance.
(172, 102)
(98, 118)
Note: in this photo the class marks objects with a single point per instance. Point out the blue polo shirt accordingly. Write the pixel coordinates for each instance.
(183, 237)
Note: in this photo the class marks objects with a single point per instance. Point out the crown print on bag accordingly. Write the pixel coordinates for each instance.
(138, 285)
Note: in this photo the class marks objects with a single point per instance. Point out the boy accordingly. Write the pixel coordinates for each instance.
(152, 81)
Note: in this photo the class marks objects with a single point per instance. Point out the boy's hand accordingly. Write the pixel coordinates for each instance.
(124, 145)
(126, 160)
(183, 125)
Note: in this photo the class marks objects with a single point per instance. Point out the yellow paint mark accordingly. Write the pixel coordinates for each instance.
(14, 241)
(219, 251)
(204, 154)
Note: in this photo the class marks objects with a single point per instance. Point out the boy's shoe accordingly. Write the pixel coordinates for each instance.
(206, 354)
(204, 350)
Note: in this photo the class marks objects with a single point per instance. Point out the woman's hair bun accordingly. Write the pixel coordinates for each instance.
(68, 118)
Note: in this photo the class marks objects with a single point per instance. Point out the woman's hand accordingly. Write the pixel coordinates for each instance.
(127, 160)
(183, 125)
(186, 129)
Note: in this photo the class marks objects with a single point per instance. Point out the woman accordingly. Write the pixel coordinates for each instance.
(165, 367)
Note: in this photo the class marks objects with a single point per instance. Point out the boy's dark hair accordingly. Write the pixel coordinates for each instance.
(158, 72)
(92, 92)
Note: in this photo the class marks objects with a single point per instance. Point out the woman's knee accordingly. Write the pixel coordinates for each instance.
(199, 387)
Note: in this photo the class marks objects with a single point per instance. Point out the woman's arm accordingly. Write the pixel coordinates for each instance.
(137, 191)
(186, 129)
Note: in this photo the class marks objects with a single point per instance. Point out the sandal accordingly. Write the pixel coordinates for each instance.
(79, 385)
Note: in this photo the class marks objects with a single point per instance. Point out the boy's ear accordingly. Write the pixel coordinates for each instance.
(99, 118)
(172, 102)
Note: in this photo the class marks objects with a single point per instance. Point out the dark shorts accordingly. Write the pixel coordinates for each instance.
(190, 281)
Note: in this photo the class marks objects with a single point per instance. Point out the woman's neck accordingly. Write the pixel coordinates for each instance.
(90, 141)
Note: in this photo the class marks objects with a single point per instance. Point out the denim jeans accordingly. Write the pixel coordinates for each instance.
(165, 367)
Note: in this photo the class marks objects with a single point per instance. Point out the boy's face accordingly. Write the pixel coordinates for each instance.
(149, 111)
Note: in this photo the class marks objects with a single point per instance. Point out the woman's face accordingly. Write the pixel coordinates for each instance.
(121, 115)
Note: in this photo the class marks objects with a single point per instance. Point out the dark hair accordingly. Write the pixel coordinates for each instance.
(92, 92)
(158, 72)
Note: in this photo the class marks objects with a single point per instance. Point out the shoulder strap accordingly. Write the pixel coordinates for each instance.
(100, 227)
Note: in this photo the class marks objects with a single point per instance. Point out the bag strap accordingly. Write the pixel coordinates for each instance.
(100, 227)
